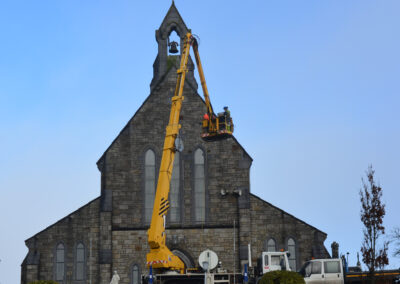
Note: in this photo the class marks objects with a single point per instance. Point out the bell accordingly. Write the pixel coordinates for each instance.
(173, 47)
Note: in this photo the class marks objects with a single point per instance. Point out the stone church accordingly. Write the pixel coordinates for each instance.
(211, 203)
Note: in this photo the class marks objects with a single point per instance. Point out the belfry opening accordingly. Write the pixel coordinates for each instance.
(173, 43)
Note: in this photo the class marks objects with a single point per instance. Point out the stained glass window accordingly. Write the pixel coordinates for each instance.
(199, 186)
(150, 184)
(60, 262)
(174, 194)
(80, 262)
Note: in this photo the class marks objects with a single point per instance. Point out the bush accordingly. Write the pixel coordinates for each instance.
(43, 282)
(281, 277)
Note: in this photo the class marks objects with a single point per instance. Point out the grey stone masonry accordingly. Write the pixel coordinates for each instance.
(172, 22)
(268, 221)
(79, 226)
(112, 228)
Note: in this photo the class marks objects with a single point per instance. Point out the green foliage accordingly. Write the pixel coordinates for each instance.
(282, 277)
(43, 282)
(171, 61)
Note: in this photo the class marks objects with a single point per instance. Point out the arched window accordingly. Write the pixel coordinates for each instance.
(135, 274)
(271, 245)
(174, 194)
(199, 187)
(291, 246)
(149, 184)
(80, 262)
(60, 262)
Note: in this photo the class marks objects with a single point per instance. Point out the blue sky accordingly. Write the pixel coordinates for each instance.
(313, 87)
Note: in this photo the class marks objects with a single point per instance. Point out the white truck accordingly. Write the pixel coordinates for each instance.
(323, 271)
(331, 271)
(272, 261)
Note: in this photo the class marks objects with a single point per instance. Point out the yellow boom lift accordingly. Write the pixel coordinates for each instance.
(214, 128)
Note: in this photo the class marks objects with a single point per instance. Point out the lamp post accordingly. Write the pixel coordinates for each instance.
(347, 258)
(205, 266)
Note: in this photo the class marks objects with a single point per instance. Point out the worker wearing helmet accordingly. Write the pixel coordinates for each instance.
(227, 112)
(227, 115)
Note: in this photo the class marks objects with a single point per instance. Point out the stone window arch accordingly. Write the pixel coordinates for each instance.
(291, 247)
(59, 271)
(270, 245)
(185, 257)
(135, 274)
(199, 186)
(149, 184)
(80, 262)
(175, 190)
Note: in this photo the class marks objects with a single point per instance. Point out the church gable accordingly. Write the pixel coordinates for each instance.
(79, 227)
(275, 229)
(123, 162)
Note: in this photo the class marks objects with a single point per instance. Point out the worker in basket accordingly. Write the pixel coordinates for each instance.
(206, 123)
(227, 115)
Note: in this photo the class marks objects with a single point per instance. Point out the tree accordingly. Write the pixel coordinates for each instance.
(396, 240)
(282, 276)
(372, 213)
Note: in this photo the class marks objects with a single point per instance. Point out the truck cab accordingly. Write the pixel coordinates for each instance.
(272, 261)
(323, 271)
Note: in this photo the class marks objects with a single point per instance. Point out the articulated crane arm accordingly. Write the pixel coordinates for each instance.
(160, 256)
(202, 78)
(215, 127)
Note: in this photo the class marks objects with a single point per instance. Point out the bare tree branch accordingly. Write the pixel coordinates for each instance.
(395, 237)
(372, 213)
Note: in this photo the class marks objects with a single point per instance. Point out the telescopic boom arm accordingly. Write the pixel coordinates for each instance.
(160, 256)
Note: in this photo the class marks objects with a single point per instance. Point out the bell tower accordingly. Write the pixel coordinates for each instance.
(172, 22)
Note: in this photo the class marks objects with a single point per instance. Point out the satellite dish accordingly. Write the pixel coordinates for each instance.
(208, 259)
(179, 144)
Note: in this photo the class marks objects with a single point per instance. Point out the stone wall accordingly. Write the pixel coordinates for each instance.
(269, 221)
(80, 226)
(130, 247)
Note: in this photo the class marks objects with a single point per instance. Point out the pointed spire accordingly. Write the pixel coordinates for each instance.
(173, 21)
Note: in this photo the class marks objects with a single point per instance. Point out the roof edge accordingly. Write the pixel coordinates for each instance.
(137, 111)
(301, 221)
(62, 219)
